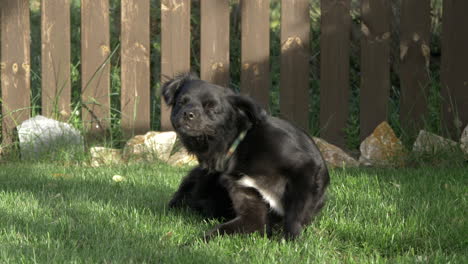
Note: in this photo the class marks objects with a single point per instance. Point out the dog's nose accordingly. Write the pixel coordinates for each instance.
(189, 115)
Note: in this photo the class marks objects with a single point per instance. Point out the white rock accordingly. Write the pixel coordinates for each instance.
(40, 135)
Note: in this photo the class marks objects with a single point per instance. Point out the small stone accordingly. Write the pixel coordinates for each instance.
(153, 145)
(464, 141)
(105, 156)
(41, 135)
(427, 142)
(183, 158)
(334, 156)
(382, 148)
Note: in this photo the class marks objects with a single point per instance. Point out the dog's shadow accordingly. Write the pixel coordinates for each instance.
(78, 199)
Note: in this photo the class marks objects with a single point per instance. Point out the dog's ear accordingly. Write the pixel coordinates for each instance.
(254, 112)
(172, 86)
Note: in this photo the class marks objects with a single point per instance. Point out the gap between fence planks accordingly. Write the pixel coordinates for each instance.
(15, 66)
(135, 59)
(175, 46)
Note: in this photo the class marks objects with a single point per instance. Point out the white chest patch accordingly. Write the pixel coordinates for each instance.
(272, 193)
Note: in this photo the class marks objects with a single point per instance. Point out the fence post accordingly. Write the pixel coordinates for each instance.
(15, 65)
(415, 28)
(55, 58)
(175, 46)
(334, 70)
(215, 41)
(255, 49)
(454, 69)
(135, 61)
(95, 65)
(375, 64)
(294, 79)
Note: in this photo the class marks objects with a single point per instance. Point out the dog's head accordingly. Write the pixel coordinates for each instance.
(203, 109)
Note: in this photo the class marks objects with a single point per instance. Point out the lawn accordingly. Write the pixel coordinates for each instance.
(52, 213)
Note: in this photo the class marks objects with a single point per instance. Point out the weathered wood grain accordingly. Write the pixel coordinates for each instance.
(454, 69)
(15, 65)
(334, 60)
(55, 58)
(255, 50)
(175, 46)
(95, 65)
(294, 75)
(135, 61)
(375, 64)
(214, 52)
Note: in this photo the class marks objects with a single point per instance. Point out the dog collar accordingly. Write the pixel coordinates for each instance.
(234, 145)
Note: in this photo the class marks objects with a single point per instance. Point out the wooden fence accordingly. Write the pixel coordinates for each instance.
(215, 64)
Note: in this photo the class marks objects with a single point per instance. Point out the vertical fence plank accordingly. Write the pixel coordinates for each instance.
(255, 49)
(375, 64)
(294, 79)
(135, 56)
(415, 57)
(55, 37)
(334, 83)
(15, 65)
(95, 65)
(175, 46)
(215, 41)
(454, 67)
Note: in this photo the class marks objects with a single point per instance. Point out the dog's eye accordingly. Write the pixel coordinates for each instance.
(209, 104)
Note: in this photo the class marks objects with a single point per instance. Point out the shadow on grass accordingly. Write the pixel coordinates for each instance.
(76, 214)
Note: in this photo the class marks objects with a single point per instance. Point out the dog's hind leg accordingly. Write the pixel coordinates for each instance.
(251, 212)
(301, 202)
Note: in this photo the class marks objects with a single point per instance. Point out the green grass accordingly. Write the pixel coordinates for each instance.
(52, 213)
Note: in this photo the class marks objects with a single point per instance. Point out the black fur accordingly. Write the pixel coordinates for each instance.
(276, 156)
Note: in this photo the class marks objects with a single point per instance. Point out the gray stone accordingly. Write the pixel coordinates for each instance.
(427, 142)
(334, 156)
(40, 135)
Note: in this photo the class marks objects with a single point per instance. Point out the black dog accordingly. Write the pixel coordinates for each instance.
(253, 167)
